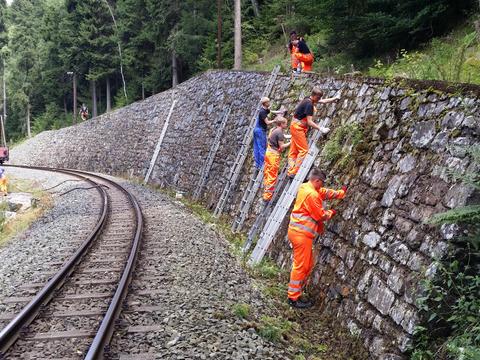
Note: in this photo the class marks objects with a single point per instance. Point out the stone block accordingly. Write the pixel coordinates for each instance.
(380, 296)
(399, 252)
(407, 163)
(365, 281)
(416, 262)
(402, 225)
(371, 239)
(458, 195)
(423, 134)
(396, 280)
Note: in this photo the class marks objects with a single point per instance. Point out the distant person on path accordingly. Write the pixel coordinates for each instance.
(84, 112)
(3, 182)
(276, 144)
(306, 222)
(303, 55)
(260, 133)
(302, 121)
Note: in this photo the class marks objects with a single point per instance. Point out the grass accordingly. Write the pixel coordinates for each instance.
(241, 310)
(23, 220)
(274, 328)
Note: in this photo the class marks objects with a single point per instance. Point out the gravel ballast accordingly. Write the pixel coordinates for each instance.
(32, 256)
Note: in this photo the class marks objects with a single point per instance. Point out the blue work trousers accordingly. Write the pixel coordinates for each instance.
(259, 146)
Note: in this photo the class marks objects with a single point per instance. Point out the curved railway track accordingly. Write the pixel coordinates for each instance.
(72, 315)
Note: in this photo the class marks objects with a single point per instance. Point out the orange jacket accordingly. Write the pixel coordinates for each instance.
(308, 213)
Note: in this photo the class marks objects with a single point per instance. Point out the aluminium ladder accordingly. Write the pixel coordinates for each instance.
(267, 209)
(159, 143)
(211, 155)
(242, 153)
(283, 205)
(248, 198)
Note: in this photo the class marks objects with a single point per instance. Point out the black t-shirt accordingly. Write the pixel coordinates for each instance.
(276, 136)
(304, 109)
(302, 47)
(262, 115)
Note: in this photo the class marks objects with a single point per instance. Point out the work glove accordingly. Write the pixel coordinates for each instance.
(332, 213)
(324, 130)
(342, 193)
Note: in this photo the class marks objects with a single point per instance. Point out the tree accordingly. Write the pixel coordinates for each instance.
(238, 35)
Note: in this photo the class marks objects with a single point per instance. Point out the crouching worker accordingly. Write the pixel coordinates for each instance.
(306, 222)
(276, 144)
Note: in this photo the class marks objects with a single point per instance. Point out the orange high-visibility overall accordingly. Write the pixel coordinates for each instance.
(270, 173)
(293, 57)
(298, 145)
(3, 184)
(306, 222)
(305, 59)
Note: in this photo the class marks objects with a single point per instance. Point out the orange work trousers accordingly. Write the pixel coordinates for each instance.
(302, 262)
(298, 147)
(270, 173)
(306, 60)
(293, 57)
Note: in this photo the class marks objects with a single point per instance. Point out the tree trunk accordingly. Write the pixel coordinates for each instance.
(29, 131)
(109, 102)
(65, 110)
(74, 120)
(256, 10)
(143, 91)
(238, 35)
(4, 96)
(174, 69)
(94, 98)
(219, 33)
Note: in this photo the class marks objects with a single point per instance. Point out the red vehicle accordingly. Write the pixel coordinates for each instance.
(3, 154)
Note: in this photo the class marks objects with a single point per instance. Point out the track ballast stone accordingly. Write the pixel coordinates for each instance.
(182, 293)
(28, 257)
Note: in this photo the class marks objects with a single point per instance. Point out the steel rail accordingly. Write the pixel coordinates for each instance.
(105, 331)
(11, 332)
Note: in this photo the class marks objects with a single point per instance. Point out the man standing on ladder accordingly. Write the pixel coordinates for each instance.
(276, 144)
(302, 120)
(306, 222)
(260, 133)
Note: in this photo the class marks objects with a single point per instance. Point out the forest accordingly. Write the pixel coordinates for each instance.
(111, 53)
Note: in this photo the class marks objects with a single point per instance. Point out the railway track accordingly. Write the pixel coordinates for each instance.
(71, 314)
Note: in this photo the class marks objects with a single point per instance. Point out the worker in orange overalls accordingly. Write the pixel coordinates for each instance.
(276, 144)
(302, 120)
(3, 182)
(293, 49)
(306, 222)
(303, 55)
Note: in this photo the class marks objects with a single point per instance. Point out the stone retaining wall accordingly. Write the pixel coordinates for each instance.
(391, 144)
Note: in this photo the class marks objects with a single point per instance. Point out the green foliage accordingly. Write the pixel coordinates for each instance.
(453, 58)
(241, 310)
(273, 329)
(451, 301)
(341, 142)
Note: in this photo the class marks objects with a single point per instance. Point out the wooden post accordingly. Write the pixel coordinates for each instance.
(94, 98)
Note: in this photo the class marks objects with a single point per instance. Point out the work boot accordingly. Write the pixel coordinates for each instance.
(300, 304)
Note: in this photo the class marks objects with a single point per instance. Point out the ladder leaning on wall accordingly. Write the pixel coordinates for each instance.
(211, 154)
(243, 151)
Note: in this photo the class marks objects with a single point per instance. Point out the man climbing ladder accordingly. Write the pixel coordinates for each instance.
(306, 222)
(302, 120)
(276, 144)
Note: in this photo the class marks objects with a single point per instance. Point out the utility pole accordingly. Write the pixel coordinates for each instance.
(4, 96)
(219, 33)
(238, 35)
